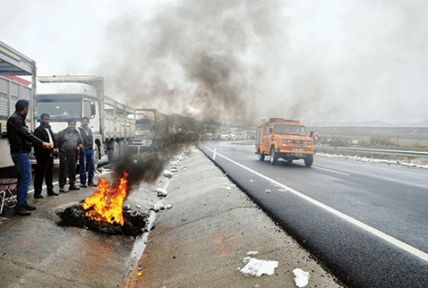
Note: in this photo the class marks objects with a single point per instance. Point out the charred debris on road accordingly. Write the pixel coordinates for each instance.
(135, 222)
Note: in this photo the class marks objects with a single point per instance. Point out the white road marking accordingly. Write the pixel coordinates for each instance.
(215, 151)
(331, 170)
(404, 246)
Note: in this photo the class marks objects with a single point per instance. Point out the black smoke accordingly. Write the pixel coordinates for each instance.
(191, 57)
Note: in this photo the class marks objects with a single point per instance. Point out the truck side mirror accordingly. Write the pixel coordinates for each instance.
(270, 130)
(93, 110)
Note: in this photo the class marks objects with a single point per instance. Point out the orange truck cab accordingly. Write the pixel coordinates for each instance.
(286, 139)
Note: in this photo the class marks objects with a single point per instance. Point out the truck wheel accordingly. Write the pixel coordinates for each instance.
(261, 156)
(309, 160)
(273, 156)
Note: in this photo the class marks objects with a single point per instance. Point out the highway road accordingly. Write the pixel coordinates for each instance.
(367, 222)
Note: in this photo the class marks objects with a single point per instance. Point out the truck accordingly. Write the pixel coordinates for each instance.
(72, 97)
(280, 138)
(184, 128)
(12, 88)
(152, 130)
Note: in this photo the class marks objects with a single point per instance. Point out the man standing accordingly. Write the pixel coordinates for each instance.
(20, 140)
(87, 155)
(44, 158)
(69, 144)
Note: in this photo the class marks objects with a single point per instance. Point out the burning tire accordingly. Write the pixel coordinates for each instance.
(135, 223)
(104, 212)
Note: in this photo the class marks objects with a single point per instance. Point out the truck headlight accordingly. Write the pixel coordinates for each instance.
(286, 142)
(307, 143)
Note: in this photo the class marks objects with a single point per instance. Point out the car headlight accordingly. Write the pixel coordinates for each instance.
(286, 141)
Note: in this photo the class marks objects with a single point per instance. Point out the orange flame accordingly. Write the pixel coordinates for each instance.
(106, 204)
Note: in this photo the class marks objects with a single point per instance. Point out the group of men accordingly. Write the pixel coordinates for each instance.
(69, 144)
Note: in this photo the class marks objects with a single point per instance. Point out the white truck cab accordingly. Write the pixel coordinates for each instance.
(68, 101)
(77, 96)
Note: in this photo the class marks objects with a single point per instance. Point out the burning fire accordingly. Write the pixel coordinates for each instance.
(106, 204)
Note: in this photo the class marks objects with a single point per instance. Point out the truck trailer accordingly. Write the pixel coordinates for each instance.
(72, 97)
(12, 89)
(152, 129)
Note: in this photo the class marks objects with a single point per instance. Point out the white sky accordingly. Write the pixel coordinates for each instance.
(63, 37)
(369, 59)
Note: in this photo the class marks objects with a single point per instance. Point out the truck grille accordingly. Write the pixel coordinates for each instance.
(297, 143)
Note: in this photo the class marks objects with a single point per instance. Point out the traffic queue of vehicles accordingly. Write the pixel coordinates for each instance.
(117, 126)
(72, 97)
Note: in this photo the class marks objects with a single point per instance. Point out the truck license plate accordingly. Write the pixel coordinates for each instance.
(297, 150)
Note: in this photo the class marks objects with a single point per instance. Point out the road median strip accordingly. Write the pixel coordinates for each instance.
(206, 239)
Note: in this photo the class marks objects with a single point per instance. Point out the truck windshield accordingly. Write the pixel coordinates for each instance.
(289, 129)
(145, 120)
(60, 109)
(144, 124)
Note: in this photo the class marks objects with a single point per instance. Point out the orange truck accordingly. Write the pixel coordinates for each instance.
(286, 139)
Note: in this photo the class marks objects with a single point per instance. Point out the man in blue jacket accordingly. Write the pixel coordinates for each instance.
(20, 141)
(87, 161)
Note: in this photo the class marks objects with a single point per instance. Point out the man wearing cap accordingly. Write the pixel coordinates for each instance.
(69, 144)
(20, 141)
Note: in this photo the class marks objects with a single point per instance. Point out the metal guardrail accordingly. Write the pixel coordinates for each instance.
(402, 153)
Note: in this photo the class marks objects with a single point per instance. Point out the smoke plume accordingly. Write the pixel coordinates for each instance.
(192, 57)
(329, 63)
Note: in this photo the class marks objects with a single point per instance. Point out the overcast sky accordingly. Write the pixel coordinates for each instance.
(336, 60)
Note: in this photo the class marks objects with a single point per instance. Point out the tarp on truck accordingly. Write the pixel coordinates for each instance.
(13, 62)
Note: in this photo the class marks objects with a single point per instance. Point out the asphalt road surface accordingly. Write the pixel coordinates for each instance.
(367, 222)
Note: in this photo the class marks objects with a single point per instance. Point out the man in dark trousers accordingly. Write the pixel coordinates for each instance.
(44, 158)
(87, 161)
(20, 140)
(69, 144)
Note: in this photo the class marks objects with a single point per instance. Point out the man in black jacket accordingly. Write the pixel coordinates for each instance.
(20, 140)
(44, 158)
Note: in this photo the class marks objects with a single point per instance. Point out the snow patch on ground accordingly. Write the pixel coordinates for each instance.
(161, 192)
(373, 160)
(251, 253)
(257, 267)
(167, 173)
(158, 206)
(301, 278)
